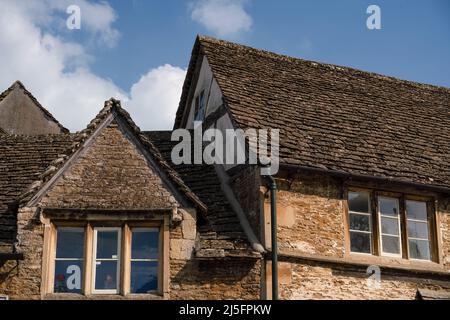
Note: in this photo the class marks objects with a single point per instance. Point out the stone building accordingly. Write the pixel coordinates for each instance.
(363, 185)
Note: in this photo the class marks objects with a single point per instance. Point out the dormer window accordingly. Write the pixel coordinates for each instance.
(200, 106)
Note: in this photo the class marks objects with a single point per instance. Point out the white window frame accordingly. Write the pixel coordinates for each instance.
(368, 214)
(94, 261)
(380, 228)
(421, 239)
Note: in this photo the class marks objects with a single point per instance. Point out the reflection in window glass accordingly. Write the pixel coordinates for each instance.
(69, 260)
(144, 260)
(360, 222)
(418, 235)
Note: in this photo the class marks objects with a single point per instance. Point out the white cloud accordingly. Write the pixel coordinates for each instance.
(226, 18)
(57, 72)
(161, 89)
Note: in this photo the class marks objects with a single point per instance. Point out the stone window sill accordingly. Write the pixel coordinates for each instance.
(75, 296)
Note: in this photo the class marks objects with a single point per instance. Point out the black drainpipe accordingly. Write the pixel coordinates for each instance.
(273, 217)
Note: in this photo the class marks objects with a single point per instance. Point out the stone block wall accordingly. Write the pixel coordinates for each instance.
(322, 281)
(311, 212)
(310, 216)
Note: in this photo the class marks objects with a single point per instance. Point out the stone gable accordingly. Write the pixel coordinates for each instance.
(111, 174)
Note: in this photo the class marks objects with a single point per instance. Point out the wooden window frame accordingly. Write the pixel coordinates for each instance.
(374, 194)
(124, 272)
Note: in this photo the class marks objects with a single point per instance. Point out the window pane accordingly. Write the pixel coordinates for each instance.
(68, 276)
(388, 206)
(419, 249)
(358, 201)
(359, 222)
(418, 229)
(70, 243)
(416, 210)
(389, 226)
(107, 244)
(391, 244)
(144, 276)
(360, 242)
(106, 275)
(144, 244)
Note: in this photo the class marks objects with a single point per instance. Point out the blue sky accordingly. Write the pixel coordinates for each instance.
(138, 50)
(413, 44)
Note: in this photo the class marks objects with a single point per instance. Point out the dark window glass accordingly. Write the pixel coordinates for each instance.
(69, 260)
(144, 244)
(144, 276)
(359, 222)
(107, 244)
(144, 260)
(358, 202)
(360, 242)
(106, 275)
(200, 107)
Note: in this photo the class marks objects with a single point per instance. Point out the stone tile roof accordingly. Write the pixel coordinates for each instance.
(22, 160)
(221, 234)
(19, 84)
(26, 163)
(111, 106)
(331, 117)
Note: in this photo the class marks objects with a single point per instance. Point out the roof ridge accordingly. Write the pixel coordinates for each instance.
(18, 84)
(82, 136)
(278, 56)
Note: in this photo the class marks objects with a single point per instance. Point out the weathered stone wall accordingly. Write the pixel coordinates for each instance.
(444, 222)
(310, 216)
(215, 279)
(321, 281)
(23, 280)
(311, 224)
(111, 174)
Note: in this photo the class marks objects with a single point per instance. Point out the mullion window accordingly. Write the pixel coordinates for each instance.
(402, 228)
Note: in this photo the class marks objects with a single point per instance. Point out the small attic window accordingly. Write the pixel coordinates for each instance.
(200, 106)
